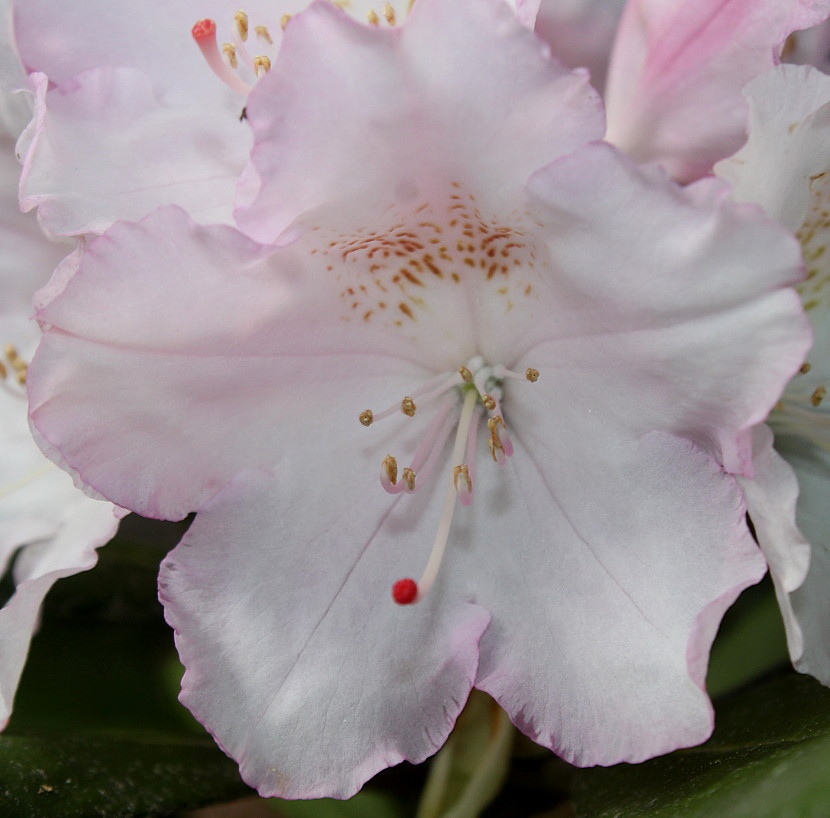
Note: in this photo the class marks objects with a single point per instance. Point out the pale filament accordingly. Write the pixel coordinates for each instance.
(452, 494)
(428, 452)
(433, 388)
(465, 495)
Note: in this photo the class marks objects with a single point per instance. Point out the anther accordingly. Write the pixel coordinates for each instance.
(465, 373)
(494, 443)
(373, 18)
(532, 374)
(389, 471)
(230, 55)
(408, 477)
(262, 65)
(241, 20)
(4, 373)
(263, 34)
(20, 376)
(464, 472)
(408, 406)
(818, 396)
(389, 14)
(366, 417)
(805, 368)
(489, 402)
(284, 21)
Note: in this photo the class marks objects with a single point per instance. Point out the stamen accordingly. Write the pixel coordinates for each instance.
(465, 373)
(428, 450)
(402, 590)
(204, 33)
(284, 21)
(818, 396)
(241, 20)
(433, 388)
(262, 65)
(805, 367)
(373, 18)
(263, 34)
(489, 402)
(530, 374)
(466, 498)
(389, 14)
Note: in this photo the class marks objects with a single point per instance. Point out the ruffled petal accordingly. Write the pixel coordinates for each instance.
(304, 669)
(674, 86)
(658, 282)
(100, 149)
(771, 496)
(811, 602)
(787, 146)
(463, 93)
(606, 568)
(218, 372)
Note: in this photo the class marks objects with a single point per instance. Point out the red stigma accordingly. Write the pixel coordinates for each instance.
(404, 591)
(204, 28)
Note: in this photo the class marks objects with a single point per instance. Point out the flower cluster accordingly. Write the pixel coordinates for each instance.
(468, 371)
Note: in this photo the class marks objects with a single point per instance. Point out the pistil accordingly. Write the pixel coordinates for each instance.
(407, 591)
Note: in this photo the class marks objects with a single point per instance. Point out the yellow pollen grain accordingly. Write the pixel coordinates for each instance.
(373, 18)
(408, 477)
(408, 406)
(230, 55)
(805, 368)
(532, 374)
(489, 403)
(389, 14)
(263, 34)
(366, 417)
(284, 21)
(818, 396)
(465, 373)
(391, 467)
(241, 20)
(262, 65)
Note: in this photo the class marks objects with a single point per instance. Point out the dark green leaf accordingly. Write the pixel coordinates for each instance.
(85, 776)
(769, 758)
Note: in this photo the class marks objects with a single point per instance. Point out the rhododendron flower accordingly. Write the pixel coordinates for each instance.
(785, 166)
(473, 357)
(674, 84)
(48, 528)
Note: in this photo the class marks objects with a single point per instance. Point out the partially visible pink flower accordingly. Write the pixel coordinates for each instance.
(785, 167)
(438, 223)
(678, 67)
(127, 115)
(48, 528)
